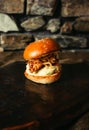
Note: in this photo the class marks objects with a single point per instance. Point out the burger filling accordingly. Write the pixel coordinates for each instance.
(45, 65)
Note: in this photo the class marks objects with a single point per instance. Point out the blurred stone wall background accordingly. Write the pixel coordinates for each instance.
(66, 21)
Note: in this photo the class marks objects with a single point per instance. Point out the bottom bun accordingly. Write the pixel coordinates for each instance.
(44, 79)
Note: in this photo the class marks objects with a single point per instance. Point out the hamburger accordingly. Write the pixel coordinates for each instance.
(42, 61)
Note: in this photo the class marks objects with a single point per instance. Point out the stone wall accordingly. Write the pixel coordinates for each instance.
(23, 21)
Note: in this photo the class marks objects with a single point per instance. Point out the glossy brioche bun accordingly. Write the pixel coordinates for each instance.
(44, 79)
(38, 48)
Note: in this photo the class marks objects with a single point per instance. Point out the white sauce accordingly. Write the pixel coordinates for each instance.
(47, 70)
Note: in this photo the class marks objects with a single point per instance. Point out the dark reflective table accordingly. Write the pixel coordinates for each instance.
(47, 106)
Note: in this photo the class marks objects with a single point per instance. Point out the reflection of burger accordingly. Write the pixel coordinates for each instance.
(42, 58)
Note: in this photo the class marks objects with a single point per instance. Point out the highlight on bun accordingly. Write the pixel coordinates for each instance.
(42, 58)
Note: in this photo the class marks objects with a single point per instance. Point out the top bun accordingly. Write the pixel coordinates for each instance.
(38, 48)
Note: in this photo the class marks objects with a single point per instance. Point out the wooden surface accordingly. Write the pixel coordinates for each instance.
(55, 105)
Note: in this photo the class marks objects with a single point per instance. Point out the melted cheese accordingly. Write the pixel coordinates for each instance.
(47, 70)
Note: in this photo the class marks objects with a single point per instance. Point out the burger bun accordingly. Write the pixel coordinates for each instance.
(43, 79)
